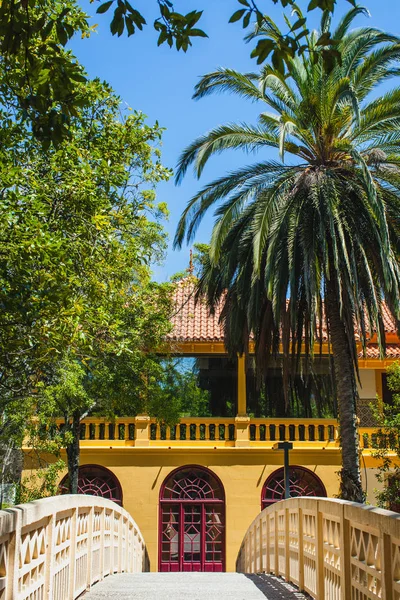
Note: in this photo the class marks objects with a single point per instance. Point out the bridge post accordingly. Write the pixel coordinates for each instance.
(276, 525)
(386, 566)
(267, 543)
(301, 550)
(13, 554)
(120, 535)
(320, 555)
(261, 546)
(50, 541)
(287, 545)
(90, 544)
(247, 555)
(101, 557)
(345, 556)
(72, 550)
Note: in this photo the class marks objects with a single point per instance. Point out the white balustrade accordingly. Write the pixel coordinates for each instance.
(331, 549)
(57, 548)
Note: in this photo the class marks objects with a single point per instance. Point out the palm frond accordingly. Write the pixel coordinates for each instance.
(228, 80)
(230, 136)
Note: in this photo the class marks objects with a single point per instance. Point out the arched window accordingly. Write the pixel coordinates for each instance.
(192, 521)
(303, 482)
(95, 480)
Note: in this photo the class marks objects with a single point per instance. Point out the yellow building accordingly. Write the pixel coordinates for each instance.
(194, 489)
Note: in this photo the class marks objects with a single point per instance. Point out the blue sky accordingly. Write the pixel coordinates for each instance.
(159, 82)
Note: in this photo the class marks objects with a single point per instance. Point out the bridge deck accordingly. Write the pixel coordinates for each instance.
(192, 586)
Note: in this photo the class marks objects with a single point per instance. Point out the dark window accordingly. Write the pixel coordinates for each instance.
(202, 386)
(310, 394)
(387, 394)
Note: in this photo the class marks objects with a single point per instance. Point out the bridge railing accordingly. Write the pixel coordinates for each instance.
(330, 549)
(58, 547)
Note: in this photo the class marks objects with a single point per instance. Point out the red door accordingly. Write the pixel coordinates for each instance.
(192, 516)
(192, 537)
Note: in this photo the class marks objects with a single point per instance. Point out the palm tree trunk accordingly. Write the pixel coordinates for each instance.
(350, 485)
(73, 454)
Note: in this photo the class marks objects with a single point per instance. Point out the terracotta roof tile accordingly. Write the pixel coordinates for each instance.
(392, 351)
(193, 323)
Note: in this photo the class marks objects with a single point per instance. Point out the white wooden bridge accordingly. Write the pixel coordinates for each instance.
(62, 547)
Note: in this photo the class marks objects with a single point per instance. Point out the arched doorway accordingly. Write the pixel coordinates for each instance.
(303, 482)
(95, 480)
(192, 521)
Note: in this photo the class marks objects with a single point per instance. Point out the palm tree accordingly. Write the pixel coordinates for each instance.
(309, 250)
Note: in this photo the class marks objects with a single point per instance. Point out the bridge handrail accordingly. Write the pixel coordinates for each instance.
(58, 547)
(329, 548)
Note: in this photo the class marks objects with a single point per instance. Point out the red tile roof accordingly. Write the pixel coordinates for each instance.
(193, 323)
(392, 351)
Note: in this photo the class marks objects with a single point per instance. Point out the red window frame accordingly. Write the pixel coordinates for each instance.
(96, 480)
(304, 482)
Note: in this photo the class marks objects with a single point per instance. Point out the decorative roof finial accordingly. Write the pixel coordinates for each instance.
(191, 267)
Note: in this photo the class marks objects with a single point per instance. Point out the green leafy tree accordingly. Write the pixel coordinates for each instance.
(42, 462)
(115, 382)
(80, 228)
(44, 75)
(15, 413)
(42, 482)
(314, 242)
(387, 443)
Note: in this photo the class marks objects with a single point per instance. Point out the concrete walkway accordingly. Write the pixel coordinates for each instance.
(192, 586)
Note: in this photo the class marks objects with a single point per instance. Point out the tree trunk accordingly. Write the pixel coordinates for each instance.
(73, 454)
(350, 475)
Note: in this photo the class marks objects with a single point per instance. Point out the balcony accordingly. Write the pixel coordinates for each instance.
(208, 432)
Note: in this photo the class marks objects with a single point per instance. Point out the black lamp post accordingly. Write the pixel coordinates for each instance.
(285, 446)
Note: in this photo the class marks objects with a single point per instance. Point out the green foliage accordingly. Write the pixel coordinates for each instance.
(284, 47)
(284, 229)
(179, 28)
(322, 229)
(40, 74)
(44, 76)
(76, 236)
(42, 461)
(67, 391)
(40, 483)
(200, 254)
(180, 387)
(195, 402)
(310, 394)
(173, 27)
(79, 231)
(387, 443)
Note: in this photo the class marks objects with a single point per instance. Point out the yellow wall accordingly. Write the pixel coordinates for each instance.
(141, 467)
(141, 473)
(367, 389)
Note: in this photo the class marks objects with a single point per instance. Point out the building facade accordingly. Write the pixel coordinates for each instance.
(194, 488)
